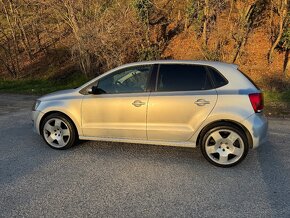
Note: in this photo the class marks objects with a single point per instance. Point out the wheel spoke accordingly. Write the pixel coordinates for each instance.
(237, 151)
(233, 137)
(65, 132)
(50, 139)
(49, 128)
(211, 149)
(216, 136)
(61, 142)
(57, 123)
(223, 159)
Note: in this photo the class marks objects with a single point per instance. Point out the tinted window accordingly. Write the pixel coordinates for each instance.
(177, 77)
(218, 79)
(129, 80)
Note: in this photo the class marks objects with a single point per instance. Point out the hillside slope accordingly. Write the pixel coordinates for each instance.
(53, 39)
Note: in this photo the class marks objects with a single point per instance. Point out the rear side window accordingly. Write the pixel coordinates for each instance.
(178, 77)
(217, 78)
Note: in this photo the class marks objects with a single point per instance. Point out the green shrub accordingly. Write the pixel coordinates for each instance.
(150, 53)
(143, 8)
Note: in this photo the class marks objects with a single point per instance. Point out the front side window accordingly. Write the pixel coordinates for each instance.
(129, 80)
(182, 77)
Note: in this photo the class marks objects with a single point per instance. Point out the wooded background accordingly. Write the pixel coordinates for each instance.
(50, 38)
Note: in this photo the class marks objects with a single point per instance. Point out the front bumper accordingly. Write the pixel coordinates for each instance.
(257, 125)
(36, 118)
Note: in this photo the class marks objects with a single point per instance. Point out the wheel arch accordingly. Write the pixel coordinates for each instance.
(224, 122)
(63, 114)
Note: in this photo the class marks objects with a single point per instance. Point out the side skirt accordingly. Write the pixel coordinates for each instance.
(141, 141)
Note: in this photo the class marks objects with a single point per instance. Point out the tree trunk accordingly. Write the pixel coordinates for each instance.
(25, 40)
(238, 51)
(277, 40)
(248, 25)
(205, 23)
(11, 27)
(84, 57)
(286, 63)
(283, 15)
(231, 10)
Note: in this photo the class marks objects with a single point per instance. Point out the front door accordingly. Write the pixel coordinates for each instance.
(120, 112)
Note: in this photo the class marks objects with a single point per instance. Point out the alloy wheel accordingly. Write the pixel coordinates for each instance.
(56, 132)
(224, 147)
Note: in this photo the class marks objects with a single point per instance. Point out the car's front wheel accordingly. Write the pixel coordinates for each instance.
(58, 131)
(224, 145)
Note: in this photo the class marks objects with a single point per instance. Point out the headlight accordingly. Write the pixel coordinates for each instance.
(35, 105)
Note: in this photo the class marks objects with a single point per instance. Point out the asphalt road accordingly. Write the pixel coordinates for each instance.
(101, 179)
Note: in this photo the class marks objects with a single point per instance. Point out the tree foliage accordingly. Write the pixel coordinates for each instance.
(96, 35)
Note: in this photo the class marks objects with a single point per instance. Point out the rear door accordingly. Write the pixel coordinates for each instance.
(183, 98)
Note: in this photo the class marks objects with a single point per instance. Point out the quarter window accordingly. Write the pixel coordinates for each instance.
(178, 77)
(129, 80)
(218, 79)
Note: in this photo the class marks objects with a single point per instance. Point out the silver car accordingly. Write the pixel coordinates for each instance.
(211, 105)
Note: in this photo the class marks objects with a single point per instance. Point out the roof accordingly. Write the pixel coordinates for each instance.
(198, 62)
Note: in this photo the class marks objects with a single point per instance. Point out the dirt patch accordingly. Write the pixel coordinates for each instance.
(278, 109)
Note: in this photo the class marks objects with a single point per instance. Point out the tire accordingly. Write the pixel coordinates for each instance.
(224, 145)
(58, 131)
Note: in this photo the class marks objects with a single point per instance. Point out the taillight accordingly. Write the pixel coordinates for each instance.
(257, 101)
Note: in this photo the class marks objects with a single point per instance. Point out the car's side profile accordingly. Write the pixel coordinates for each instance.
(178, 103)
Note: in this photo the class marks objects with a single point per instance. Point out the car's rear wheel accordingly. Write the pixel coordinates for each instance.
(225, 145)
(58, 131)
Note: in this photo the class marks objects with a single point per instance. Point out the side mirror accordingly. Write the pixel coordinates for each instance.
(96, 91)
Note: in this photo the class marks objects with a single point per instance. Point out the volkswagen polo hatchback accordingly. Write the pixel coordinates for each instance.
(211, 105)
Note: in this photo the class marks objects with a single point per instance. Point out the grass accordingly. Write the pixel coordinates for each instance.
(41, 86)
(274, 96)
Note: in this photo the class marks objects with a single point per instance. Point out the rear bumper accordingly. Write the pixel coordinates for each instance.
(257, 125)
(36, 118)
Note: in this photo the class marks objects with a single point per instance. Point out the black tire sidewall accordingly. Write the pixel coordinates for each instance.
(229, 127)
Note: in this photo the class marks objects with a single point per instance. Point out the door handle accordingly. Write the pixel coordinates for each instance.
(138, 103)
(201, 102)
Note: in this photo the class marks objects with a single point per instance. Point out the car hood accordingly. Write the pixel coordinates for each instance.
(64, 94)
